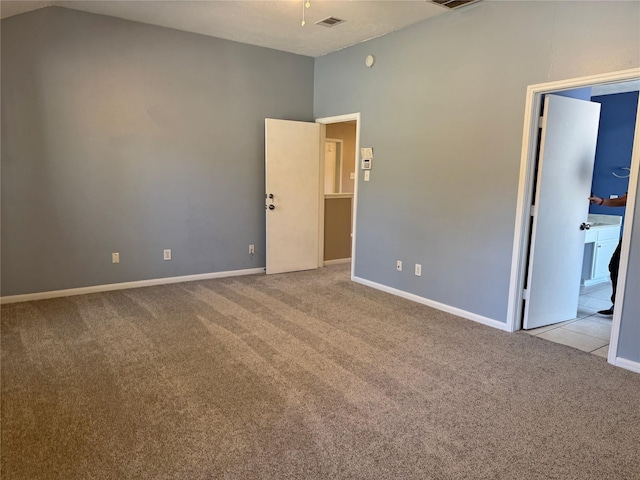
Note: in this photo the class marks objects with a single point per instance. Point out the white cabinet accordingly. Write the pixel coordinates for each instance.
(601, 258)
(600, 243)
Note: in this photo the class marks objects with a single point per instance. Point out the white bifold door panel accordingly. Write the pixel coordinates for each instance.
(565, 169)
(294, 186)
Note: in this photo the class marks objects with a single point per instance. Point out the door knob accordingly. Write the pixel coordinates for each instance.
(585, 226)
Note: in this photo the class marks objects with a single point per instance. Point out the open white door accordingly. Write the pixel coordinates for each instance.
(565, 170)
(293, 193)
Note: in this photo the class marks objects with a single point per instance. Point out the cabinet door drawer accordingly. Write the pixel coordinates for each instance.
(602, 257)
(591, 236)
(608, 233)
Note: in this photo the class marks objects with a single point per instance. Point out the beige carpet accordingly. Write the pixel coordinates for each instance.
(299, 376)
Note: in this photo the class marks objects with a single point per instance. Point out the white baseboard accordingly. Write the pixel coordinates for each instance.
(628, 364)
(586, 289)
(27, 297)
(596, 282)
(439, 306)
(337, 261)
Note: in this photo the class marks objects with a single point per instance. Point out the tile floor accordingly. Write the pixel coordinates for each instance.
(589, 332)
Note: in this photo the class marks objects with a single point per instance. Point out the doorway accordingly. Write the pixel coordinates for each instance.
(340, 207)
(527, 209)
(295, 191)
(339, 162)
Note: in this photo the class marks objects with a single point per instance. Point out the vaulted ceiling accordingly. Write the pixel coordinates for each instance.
(269, 23)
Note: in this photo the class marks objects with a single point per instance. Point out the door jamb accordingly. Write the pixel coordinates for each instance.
(339, 119)
(341, 142)
(525, 187)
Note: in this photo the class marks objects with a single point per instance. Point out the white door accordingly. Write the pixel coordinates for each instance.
(565, 169)
(293, 192)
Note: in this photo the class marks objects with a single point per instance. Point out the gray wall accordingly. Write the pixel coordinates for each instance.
(443, 108)
(124, 137)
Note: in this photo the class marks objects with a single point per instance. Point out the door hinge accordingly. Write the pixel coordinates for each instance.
(525, 294)
(534, 210)
(540, 121)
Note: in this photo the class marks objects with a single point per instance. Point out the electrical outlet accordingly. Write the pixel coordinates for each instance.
(399, 265)
(252, 250)
(115, 258)
(167, 254)
(418, 270)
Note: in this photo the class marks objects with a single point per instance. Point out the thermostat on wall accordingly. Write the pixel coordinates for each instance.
(367, 155)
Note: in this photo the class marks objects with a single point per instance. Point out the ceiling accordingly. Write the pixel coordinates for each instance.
(268, 23)
(273, 23)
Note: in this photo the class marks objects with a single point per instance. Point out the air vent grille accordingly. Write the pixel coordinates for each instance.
(329, 22)
(454, 3)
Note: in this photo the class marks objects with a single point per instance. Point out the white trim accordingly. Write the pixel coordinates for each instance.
(337, 261)
(439, 306)
(594, 282)
(329, 196)
(627, 364)
(341, 143)
(321, 173)
(626, 244)
(523, 209)
(523, 212)
(339, 119)
(27, 297)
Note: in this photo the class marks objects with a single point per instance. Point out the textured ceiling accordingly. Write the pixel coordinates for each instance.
(269, 23)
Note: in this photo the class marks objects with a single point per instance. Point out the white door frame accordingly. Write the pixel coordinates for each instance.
(525, 188)
(339, 119)
(340, 142)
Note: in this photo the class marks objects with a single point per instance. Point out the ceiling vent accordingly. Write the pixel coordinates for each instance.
(451, 4)
(330, 22)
